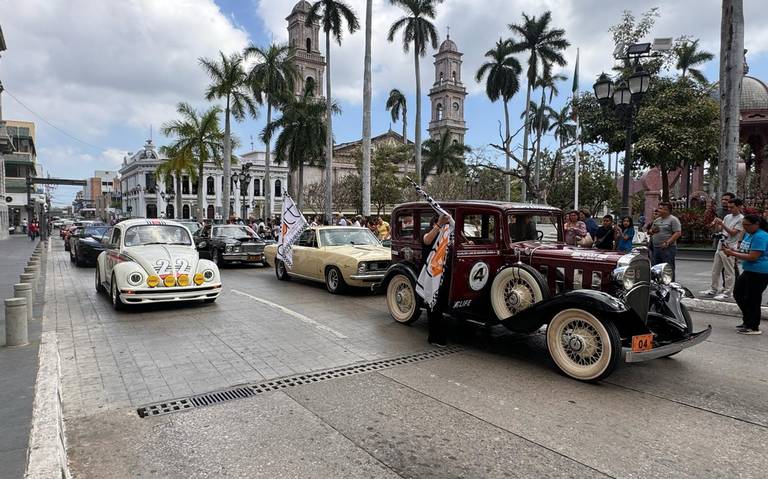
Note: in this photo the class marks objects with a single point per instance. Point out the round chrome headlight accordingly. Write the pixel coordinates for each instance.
(662, 273)
(361, 268)
(625, 276)
(208, 274)
(135, 279)
(228, 248)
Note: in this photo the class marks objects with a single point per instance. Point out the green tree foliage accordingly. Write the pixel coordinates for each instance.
(443, 155)
(596, 185)
(688, 56)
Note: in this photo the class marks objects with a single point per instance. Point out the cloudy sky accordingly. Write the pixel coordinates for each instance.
(97, 75)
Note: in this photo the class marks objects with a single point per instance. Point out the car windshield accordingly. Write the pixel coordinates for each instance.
(96, 231)
(234, 231)
(347, 236)
(192, 227)
(534, 227)
(156, 234)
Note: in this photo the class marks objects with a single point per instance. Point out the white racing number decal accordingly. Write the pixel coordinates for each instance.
(182, 265)
(162, 267)
(478, 276)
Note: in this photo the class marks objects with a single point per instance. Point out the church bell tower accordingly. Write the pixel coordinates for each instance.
(306, 42)
(447, 94)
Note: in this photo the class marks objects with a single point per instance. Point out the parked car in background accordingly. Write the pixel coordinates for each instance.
(86, 243)
(154, 261)
(510, 266)
(338, 256)
(192, 226)
(230, 243)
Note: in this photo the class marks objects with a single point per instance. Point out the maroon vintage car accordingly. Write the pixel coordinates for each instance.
(509, 265)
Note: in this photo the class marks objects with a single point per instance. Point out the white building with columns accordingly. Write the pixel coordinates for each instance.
(144, 194)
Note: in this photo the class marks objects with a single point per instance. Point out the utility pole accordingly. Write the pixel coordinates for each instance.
(5, 147)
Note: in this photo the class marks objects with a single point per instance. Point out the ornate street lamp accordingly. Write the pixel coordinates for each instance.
(626, 98)
(244, 178)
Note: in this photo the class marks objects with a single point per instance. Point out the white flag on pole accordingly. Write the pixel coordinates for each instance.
(292, 225)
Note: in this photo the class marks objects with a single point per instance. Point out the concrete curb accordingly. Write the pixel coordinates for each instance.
(717, 307)
(47, 449)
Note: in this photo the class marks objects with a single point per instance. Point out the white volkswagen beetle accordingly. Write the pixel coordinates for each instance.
(154, 261)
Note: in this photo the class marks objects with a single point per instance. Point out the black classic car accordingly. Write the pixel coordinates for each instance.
(85, 243)
(230, 243)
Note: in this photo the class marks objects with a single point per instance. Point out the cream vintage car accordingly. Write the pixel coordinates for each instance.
(338, 256)
(154, 261)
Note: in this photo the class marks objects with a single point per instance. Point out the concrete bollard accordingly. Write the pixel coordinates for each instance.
(16, 332)
(29, 279)
(33, 270)
(24, 290)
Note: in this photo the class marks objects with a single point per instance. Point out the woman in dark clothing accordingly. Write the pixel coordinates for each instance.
(437, 325)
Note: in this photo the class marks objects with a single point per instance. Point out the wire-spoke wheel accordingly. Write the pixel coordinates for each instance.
(582, 346)
(515, 289)
(402, 301)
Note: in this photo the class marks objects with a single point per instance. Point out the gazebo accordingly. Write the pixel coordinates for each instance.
(753, 125)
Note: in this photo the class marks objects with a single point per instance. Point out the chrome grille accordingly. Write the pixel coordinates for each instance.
(638, 298)
(378, 265)
(252, 248)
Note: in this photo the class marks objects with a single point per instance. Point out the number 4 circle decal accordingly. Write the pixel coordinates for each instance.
(478, 276)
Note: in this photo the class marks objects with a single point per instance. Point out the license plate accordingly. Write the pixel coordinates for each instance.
(254, 257)
(643, 342)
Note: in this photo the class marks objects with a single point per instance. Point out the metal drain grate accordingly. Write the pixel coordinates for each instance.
(248, 390)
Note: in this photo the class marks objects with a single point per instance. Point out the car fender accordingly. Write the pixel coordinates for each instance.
(123, 269)
(597, 303)
(205, 264)
(406, 268)
(270, 251)
(100, 265)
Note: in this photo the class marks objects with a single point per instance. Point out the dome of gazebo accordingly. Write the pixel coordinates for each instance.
(754, 94)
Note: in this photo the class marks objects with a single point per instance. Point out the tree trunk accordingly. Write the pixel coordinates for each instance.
(417, 133)
(366, 177)
(539, 132)
(300, 188)
(731, 74)
(267, 165)
(225, 211)
(525, 141)
(664, 184)
(179, 202)
(507, 177)
(329, 134)
(405, 125)
(200, 190)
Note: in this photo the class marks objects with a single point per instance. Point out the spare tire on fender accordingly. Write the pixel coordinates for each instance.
(517, 288)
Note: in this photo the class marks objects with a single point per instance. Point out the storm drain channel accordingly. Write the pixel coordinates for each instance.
(249, 390)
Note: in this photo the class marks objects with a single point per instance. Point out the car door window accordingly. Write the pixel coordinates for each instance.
(115, 242)
(479, 229)
(308, 239)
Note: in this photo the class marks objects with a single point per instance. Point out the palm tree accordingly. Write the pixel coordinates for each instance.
(443, 155)
(228, 80)
(546, 81)
(544, 45)
(272, 77)
(417, 29)
(366, 176)
(334, 14)
(198, 138)
(178, 164)
(688, 56)
(303, 132)
(562, 125)
(503, 83)
(397, 103)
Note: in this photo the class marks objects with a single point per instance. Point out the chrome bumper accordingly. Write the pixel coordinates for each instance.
(696, 338)
(369, 277)
(254, 257)
(161, 295)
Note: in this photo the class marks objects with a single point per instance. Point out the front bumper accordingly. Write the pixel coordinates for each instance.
(166, 295)
(655, 353)
(244, 257)
(374, 277)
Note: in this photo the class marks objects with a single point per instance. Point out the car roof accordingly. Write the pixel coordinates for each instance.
(502, 205)
(136, 222)
(321, 228)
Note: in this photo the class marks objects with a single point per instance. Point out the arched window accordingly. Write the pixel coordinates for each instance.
(151, 211)
(310, 84)
(256, 187)
(211, 212)
(170, 212)
(278, 188)
(455, 141)
(309, 44)
(210, 186)
(441, 78)
(185, 212)
(194, 186)
(453, 77)
(439, 111)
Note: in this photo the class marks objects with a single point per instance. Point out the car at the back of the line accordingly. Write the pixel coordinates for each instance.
(154, 261)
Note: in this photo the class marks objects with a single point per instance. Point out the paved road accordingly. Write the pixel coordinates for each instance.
(494, 408)
(697, 276)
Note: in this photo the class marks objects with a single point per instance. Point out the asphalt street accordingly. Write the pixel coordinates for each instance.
(493, 407)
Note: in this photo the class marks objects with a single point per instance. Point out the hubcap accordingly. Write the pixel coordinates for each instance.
(581, 342)
(404, 298)
(332, 279)
(518, 295)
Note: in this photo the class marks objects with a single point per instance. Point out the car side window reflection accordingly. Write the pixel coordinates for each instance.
(308, 239)
(115, 243)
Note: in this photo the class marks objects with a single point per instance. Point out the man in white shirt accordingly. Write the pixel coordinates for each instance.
(342, 220)
(724, 266)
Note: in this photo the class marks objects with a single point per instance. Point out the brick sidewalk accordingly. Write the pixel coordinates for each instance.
(18, 366)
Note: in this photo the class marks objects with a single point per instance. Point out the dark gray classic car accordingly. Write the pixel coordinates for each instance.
(230, 243)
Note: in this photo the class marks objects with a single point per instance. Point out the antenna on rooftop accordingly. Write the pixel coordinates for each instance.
(252, 143)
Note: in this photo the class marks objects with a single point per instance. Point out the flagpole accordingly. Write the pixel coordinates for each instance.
(578, 136)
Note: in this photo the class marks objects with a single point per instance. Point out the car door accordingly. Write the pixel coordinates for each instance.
(299, 252)
(313, 260)
(202, 240)
(113, 253)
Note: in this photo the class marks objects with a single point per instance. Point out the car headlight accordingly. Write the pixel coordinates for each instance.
(135, 279)
(626, 276)
(662, 273)
(208, 274)
(236, 249)
(169, 281)
(228, 249)
(153, 281)
(362, 267)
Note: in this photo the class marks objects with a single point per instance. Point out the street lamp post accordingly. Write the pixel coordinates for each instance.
(168, 198)
(625, 100)
(244, 177)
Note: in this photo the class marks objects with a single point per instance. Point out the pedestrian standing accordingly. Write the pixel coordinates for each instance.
(724, 267)
(724, 200)
(586, 216)
(607, 233)
(436, 321)
(575, 230)
(627, 235)
(752, 282)
(666, 231)
(382, 228)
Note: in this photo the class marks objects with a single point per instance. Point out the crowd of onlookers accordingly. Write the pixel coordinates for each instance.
(270, 229)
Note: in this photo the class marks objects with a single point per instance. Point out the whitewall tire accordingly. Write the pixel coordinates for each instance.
(402, 301)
